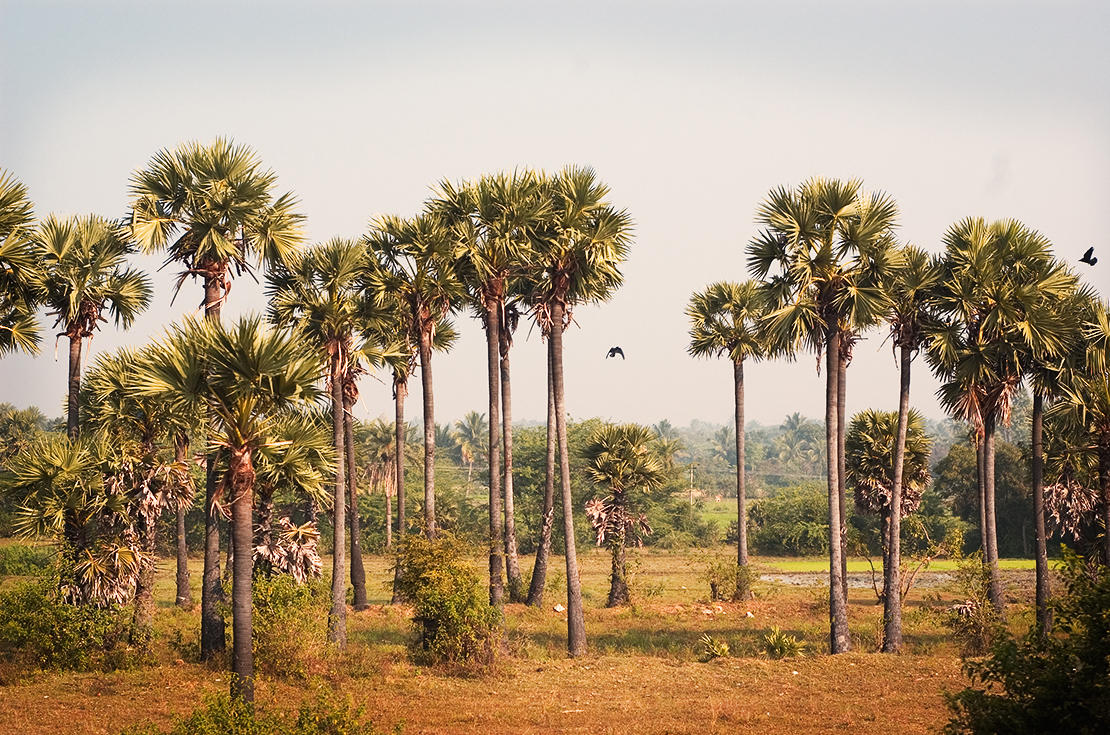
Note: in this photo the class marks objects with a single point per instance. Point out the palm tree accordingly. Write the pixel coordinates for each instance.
(413, 272)
(472, 439)
(725, 319)
(493, 219)
(579, 250)
(82, 277)
(18, 327)
(251, 375)
(618, 459)
(911, 316)
(829, 244)
(547, 512)
(213, 210)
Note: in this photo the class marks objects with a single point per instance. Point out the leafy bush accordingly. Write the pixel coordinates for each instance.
(290, 630)
(777, 644)
(793, 522)
(974, 623)
(18, 560)
(729, 581)
(453, 618)
(224, 715)
(1054, 684)
(40, 629)
(712, 648)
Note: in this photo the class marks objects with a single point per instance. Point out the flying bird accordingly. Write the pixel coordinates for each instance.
(614, 352)
(1088, 257)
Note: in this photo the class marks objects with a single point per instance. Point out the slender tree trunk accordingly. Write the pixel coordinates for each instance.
(184, 593)
(576, 624)
(981, 482)
(841, 466)
(141, 622)
(992, 524)
(242, 660)
(213, 629)
(429, 436)
(512, 557)
(741, 488)
(400, 389)
(618, 578)
(358, 571)
(840, 642)
(547, 519)
(72, 403)
(337, 616)
(1044, 614)
(388, 521)
(493, 374)
(892, 579)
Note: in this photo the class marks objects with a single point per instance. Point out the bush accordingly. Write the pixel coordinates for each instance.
(18, 560)
(729, 581)
(290, 625)
(224, 715)
(777, 644)
(453, 618)
(974, 622)
(40, 629)
(793, 522)
(1054, 684)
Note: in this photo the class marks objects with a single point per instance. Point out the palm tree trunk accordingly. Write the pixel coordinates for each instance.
(547, 519)
(838, 606)
(618, 578)
(981, 485)
(512, 558)
(337, 616)
(141, 622)
(429, 436)
(841, 473)
(213, 629)
(72, 397)
(400, 389)
(892, 580)
(991, 518)
(741, 489)
(576, 624)
(184, 593)
(358, 571)
(1044, 614)
(241, 476)
(493, 374)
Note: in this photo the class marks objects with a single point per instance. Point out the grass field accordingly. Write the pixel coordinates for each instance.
(643, 673)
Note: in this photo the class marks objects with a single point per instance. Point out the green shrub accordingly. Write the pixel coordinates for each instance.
(729, 581)
(1054, 684)
(974, 622)
(712, 648)
(290, 625)
(18, 560)
(223, 715)
(777, 644)
(453, 618)
(793, 522)
(38, 628)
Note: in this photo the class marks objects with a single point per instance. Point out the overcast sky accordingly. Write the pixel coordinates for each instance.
(690, 111)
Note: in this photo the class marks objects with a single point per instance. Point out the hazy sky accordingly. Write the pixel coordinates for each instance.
(690, 111)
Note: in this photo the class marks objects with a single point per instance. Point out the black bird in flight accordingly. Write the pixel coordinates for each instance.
(1088, 257)
(614, 352)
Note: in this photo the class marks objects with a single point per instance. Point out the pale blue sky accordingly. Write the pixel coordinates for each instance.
(690, 111)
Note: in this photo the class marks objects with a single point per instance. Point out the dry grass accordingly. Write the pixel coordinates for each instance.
(642, 675)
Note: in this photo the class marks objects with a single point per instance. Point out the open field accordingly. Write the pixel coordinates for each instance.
(643, 673)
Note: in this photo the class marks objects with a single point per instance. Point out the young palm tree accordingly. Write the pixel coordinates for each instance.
(619, 459)
(911, 289)
(473, 440)
(725, 319)
(251, 375)
(413, 273)
(83, 276)
(18, 326)
(822, 254)
(579, 249)
(212, 209)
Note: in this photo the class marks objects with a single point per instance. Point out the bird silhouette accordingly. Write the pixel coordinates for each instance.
(614, 352)
(1088, 257)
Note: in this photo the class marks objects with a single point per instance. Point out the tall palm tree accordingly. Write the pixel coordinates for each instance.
(212, 208)
(473, 440)
(724, 319)
(911, 287)
(547, 513)
(83, 277)
(18, 326)
(413, 271)
(579, 250)
(822, 254)
(251, 376)
(619, 459)
(494, 219)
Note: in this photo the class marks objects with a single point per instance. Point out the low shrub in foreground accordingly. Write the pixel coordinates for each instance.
(289, 638)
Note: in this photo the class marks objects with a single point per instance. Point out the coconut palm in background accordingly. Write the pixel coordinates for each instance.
(579, 250)
(822, 253)
(212, 208)
(724, 319)
(83, 279)
(18, 326)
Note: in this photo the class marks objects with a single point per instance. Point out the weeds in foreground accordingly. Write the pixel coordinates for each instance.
(777, 644)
